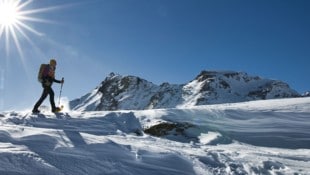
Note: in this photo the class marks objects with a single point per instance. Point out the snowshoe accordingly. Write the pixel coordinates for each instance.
(35, 111)
(57, 109)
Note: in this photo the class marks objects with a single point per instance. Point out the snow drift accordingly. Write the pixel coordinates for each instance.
(258, 137)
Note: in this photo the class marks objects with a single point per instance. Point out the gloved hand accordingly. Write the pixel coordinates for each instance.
(62, 81)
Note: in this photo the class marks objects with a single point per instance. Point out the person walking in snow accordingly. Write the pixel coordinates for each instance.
(47, 77)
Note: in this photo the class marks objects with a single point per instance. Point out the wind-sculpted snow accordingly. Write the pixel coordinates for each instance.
(261, 137)
(263, 128)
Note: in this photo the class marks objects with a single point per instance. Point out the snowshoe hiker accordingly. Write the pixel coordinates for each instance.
(46, 77)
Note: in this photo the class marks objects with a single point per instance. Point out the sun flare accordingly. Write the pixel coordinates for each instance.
(15, 19)
(9, 13)
(13, 22)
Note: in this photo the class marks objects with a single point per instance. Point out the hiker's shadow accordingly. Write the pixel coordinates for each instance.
(60, 115)
(41, 116)
(71, 132)
(75, 137)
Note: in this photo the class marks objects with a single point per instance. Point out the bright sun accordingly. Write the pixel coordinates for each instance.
(14, 18)
(9, 13)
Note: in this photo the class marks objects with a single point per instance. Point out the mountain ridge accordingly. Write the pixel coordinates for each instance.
(119, 92)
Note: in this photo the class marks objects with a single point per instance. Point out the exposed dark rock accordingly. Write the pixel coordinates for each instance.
(163, 129)
(224, 84)
(118, 92)
(306, 94)
(174, 131)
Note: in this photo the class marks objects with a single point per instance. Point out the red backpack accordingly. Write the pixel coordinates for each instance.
(43, 72)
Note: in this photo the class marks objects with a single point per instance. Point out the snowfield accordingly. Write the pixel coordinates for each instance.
(258, 137)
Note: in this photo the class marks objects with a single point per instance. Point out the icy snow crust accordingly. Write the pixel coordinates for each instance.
(260, 137)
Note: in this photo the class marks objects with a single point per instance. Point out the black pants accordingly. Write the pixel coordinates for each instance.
(47, 90)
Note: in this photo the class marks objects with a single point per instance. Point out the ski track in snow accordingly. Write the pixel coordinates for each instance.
(261, 137)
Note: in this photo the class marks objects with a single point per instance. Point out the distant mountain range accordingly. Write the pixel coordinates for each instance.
(119, 92)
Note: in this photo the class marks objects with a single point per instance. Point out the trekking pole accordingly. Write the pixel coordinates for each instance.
(60, 90)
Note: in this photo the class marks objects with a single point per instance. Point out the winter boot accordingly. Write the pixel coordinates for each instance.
(55, 110)
(35, 111)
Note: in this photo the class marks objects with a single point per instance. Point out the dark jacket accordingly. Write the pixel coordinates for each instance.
(49, 76)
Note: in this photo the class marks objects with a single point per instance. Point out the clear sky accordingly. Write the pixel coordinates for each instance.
(158, 40)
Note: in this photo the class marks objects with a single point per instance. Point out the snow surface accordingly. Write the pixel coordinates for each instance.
(258, 137)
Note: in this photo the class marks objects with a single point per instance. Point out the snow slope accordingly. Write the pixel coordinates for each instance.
(258, 137)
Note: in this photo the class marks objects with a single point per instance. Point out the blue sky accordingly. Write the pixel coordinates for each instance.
(158, 40)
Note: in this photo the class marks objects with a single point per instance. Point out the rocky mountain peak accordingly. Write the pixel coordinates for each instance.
(209, 87)
(306, 94)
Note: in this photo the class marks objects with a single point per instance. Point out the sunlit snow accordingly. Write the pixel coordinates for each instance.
(258, 137)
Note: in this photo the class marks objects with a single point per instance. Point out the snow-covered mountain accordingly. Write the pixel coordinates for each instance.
(209, 87)
(306, 94)
(258, 137)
